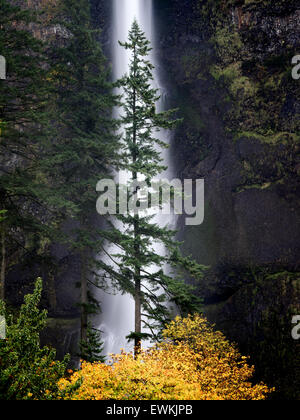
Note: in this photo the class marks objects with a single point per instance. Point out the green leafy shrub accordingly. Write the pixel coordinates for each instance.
(27, 370)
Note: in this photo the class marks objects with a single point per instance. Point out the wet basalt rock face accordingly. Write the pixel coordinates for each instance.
(229, 71)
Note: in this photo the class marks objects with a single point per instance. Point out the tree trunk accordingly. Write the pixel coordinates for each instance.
(137, 296)
(3, 265)
(137, 274)
(138, 320)
(84, 297)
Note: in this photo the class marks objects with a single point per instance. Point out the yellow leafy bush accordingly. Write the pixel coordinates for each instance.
(223, 373)
(193, 363)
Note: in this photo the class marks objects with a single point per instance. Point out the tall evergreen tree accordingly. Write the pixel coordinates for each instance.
(23, 129)
(140, 155)
(85, 147)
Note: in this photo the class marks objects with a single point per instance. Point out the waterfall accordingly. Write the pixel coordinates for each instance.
(117, 317)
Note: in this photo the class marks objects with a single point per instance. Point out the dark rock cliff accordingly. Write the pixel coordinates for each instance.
(229, 71)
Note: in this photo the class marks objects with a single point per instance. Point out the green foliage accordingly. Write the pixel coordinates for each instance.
(85, 145)
(57, 135)
(2, 215)
(87, 142)
(24, 119)
(137, 268)
(27, 370)
(91, 349)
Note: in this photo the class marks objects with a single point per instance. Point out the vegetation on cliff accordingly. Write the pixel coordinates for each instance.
(246, 58)
(231, 67)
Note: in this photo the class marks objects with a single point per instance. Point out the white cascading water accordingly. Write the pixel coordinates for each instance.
(117, 317)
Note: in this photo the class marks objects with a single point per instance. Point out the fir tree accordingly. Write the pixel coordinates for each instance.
(24, 118)
(86, 144)
(92, 348)
(140, 155)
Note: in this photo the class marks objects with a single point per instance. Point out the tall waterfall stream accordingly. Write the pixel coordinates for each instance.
(117, 318)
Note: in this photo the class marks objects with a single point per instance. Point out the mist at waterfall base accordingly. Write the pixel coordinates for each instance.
(116, 320)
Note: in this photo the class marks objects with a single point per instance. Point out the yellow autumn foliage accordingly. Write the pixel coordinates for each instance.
(193, 363)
